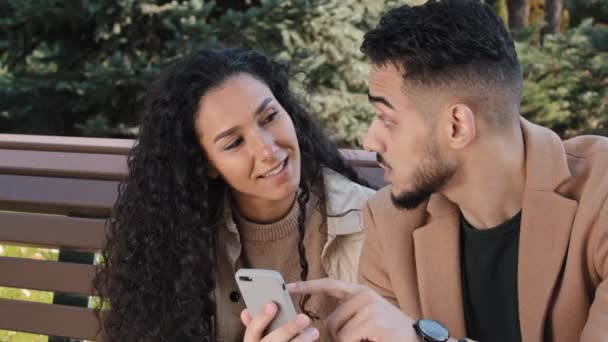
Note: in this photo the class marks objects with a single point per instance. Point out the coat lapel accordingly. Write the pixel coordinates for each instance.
(437, 252)
(546, 224)
(545, 232)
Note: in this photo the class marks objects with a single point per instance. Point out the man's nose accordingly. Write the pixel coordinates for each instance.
(372, 141)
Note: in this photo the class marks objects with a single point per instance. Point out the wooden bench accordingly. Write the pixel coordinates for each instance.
(57, 192)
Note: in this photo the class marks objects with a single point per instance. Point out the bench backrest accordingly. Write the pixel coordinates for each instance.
(57, 192)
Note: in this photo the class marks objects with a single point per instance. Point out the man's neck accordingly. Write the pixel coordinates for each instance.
(489, 189)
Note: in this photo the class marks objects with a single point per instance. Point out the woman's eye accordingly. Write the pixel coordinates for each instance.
(270, 118)
(234, 144)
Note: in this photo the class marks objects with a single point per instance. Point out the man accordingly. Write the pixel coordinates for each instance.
(502, 229)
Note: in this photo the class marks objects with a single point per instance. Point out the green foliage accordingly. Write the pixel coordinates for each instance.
(566, 83)
(581, 9)
(80, 67)
(23, 294)
(500, 7)
(322, 39)
(599, 38)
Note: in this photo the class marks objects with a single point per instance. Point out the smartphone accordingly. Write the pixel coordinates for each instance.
(258, 287)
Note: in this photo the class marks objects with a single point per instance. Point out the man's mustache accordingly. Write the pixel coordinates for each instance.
(380, 159)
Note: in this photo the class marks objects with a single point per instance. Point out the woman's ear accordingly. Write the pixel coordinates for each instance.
(212, 173)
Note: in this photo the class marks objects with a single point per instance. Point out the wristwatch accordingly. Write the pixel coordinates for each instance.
(431, 331)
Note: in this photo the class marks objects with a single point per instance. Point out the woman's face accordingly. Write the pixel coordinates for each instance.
(249, 140)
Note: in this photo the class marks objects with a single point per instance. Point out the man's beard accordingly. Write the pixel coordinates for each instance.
(429, 178)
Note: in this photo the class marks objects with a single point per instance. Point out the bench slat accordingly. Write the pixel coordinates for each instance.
(52, 231)
(48, 319)
(360, 158)
(54, 195)
(46, 275)
(120, 146)
(41, 175)
(373, 175)
(66, 144)
(63, 164)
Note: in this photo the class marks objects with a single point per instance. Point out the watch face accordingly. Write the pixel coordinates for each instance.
(433, 329)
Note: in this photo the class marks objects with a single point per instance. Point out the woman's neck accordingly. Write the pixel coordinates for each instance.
(263, 210)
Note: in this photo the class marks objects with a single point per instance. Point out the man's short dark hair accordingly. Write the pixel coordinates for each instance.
(458, 44)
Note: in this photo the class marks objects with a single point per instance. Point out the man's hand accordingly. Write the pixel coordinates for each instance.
(294, 330)
(362, 315)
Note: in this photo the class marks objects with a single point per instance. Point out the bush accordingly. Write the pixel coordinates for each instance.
(581, 9)
(79, 67)
(566, 81)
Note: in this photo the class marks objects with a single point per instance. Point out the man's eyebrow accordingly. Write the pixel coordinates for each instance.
(230, 131)
(380, 99)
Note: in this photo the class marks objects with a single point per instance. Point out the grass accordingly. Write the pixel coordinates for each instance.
(11, 336)
(23, 294)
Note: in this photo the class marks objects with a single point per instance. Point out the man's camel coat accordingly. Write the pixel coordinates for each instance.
(412, 258)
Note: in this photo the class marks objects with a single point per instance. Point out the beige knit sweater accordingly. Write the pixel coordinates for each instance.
(274, 246)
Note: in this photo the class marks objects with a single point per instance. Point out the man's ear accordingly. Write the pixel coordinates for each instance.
(460, 125)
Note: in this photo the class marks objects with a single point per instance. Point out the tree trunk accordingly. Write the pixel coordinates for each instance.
(519, 10)
(553, 16)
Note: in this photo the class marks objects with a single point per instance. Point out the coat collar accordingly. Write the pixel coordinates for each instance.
(344, 200)
(545, 226)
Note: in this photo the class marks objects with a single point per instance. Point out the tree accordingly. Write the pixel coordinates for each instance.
(80, 67)
(566, 83)
(553, 16)
(519, 10)
(581, 9)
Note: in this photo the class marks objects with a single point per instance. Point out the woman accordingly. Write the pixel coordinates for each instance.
(229, 171)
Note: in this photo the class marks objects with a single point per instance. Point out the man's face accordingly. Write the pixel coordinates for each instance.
(403, 134)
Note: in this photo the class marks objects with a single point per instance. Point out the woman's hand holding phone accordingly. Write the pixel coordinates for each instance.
(270, 315)
(293, 330)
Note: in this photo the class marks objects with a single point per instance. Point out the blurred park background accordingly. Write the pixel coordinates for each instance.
(80, 67)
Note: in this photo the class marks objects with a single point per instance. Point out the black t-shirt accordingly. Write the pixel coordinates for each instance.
(489, 281)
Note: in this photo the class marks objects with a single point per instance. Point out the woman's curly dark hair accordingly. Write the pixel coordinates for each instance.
(159, 257)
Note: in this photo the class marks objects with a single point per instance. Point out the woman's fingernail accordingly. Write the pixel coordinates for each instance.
(292, 286)
(313, 333)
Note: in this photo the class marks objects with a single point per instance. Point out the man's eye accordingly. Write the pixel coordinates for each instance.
(270, 118)
(385, 121)
(234, 144)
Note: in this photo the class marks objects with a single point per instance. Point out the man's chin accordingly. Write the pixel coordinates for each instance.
(409, 199)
